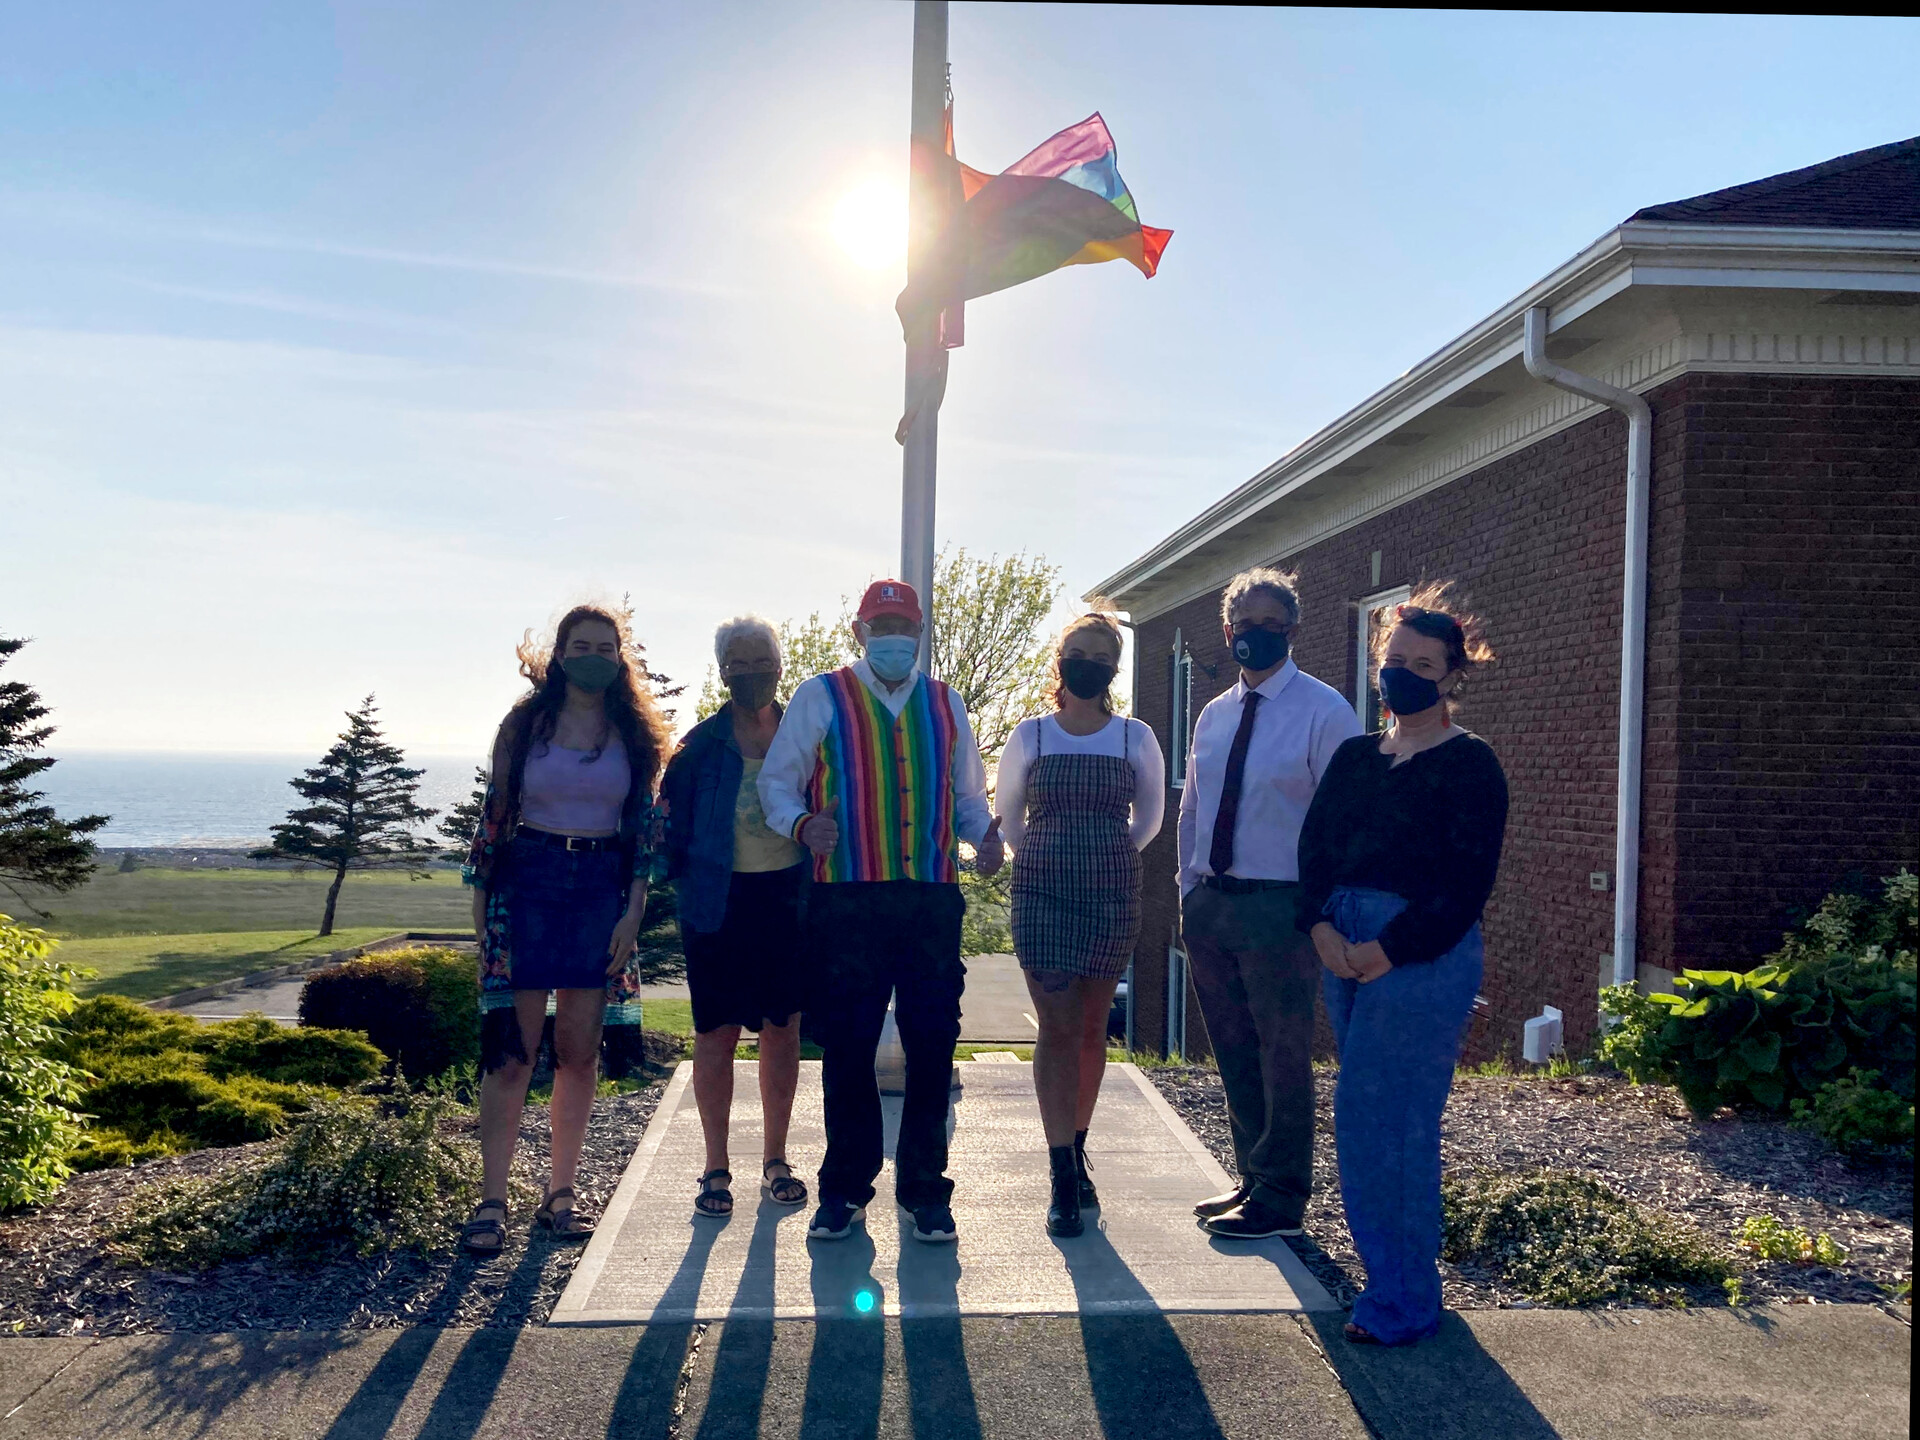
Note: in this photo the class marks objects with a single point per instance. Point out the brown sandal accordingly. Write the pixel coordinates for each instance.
(1359, 1335)
(715, 1203)
(485, 1228)
(565, 1224)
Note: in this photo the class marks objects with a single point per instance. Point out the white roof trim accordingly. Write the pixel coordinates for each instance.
(1764, 257)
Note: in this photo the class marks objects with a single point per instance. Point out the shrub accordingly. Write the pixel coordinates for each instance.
(1567, 1239)
(156, 1083)
(1858, 1113)
(1771, 1239)
(348, 1176)
(420, 1005)
(1838, 992)
(38, 1089)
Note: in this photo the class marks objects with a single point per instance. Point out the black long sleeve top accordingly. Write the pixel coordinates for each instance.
(1429, 829)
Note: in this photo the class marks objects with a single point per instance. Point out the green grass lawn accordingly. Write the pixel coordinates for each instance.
(152, 932)
(145, 967)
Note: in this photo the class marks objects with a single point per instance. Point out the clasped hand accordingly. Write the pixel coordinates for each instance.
(1365, 963)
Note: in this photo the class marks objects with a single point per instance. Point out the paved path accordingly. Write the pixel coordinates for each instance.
(995, 1006)
(1781, 1373)
(652, 1261)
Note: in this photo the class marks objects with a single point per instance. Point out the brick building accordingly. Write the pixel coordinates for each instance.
(1774, 331)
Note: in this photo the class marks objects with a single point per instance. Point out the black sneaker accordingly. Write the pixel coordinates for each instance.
(934, 1224)
(834, 1220)
(1252, 1221)
(1220, 1204)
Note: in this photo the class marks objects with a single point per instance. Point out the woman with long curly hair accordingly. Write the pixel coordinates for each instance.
(1397, 857)
(560, 867)
(1081, 792)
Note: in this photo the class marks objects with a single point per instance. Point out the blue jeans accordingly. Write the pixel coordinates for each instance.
(1399, 1040)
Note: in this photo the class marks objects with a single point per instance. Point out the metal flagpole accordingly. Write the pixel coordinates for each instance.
(925, 357)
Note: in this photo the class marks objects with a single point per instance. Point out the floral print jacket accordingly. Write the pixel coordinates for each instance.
(642, 828)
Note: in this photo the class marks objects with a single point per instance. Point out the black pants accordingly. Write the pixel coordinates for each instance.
(871, 940)
(1256, 976)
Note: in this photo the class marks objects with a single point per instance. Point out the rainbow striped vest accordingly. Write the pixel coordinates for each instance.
(894, 781)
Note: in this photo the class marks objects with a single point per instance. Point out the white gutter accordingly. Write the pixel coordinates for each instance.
(1633, 629)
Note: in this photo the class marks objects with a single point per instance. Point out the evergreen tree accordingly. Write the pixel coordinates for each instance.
(362, 812)
(37, 847)
(462, 820)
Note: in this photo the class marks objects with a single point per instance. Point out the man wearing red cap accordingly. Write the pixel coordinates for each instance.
(875, 770)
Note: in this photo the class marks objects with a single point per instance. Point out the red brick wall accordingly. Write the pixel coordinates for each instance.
(1783, 674)
(1799, 640)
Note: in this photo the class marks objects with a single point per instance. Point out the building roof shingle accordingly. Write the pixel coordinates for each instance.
(1877, 189)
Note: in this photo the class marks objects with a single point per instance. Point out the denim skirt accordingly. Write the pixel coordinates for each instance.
(562, 906)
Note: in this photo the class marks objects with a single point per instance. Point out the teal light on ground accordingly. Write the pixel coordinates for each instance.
(863, 1302)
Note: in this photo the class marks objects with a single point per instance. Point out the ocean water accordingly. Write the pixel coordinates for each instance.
(206, 800)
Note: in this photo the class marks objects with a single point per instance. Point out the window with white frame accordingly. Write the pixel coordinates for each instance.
(1180, 711)
(1368, 616)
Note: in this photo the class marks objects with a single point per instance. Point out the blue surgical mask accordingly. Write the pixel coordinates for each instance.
(891, 656)
(1406, 693)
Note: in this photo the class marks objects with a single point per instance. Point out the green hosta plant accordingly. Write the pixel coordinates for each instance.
(1838, 993)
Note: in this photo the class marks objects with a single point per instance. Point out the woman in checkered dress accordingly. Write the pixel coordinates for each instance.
(1080, 793)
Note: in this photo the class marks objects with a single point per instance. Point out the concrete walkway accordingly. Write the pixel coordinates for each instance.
(1783, 1373)
(652, 1261)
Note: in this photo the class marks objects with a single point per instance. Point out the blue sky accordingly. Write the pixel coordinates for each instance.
(340, 344)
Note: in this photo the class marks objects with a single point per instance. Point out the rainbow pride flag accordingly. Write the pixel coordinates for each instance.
(1063, 204)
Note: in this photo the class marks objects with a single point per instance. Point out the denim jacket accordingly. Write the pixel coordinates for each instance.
(701, 783)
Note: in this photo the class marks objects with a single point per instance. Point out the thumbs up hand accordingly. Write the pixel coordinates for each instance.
(992, 850)
(820, 833)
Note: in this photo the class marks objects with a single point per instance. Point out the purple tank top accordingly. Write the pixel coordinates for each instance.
(562, 790)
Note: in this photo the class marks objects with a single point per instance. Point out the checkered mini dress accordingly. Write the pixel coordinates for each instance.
(1076, 880)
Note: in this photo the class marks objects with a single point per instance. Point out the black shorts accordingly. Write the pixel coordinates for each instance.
(752, 970)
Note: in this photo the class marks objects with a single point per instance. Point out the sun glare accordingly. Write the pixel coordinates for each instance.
(870, 222)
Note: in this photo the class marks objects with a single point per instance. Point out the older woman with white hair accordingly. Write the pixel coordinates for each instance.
(740, 888)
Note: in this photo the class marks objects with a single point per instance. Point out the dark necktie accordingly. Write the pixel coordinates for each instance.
(1220, 856)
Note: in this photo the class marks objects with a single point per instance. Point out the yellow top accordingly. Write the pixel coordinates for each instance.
(755, 847)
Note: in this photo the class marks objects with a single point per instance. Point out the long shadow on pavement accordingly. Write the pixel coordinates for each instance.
(467, 1393)
(847, 1368)
(1444, 1388)
(644, 1406)
(939, 1382)
(373, 1407)
(745, 1353)
(1143, 1382)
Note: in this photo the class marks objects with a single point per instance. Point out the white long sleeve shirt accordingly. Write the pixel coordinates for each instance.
(796, 750)
(1122, 737)
(1299, 724)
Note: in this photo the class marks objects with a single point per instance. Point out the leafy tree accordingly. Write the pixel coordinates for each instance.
(815, 646)
(459, 823)
(991, 639)
(37, 847)
(362, 813)
(662, 686)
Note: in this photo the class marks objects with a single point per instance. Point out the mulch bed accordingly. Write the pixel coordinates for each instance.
(55, 1279)
(1642, 1142)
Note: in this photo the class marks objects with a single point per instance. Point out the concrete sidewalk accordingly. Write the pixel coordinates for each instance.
(652, 1261)
(1785, 1373)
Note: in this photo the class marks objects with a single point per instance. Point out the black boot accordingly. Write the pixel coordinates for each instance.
(1089, 1197)
(1063, 1215)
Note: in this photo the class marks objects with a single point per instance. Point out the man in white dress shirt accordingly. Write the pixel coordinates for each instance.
(875, 770)
(1258, 754)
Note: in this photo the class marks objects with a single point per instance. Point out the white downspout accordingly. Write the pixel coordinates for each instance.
(1633, 630)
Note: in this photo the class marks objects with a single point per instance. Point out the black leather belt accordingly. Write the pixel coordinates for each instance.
(1238, 885)
(589, 843)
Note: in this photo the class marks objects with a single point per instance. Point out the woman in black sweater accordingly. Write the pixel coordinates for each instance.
(1397, 857)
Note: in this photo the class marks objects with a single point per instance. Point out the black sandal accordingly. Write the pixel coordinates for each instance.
(565, 1224)
(477, 1229)
(714, 1203)
(1359, 1334)
(787, 1189)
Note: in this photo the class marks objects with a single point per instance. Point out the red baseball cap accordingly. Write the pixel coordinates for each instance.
(890, 597)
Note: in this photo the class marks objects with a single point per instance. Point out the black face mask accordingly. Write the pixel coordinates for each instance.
(1406, 693)
(753, 691)
(1258, 649)
(1088, 679)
